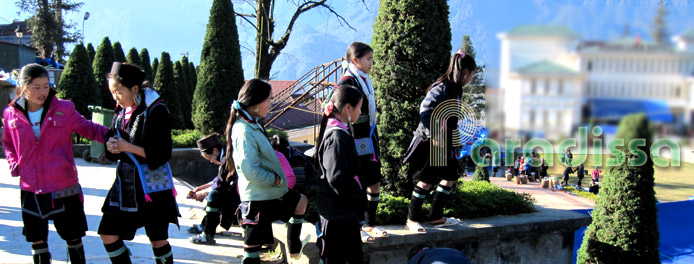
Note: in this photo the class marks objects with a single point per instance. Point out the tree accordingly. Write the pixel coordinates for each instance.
(103, 61)
(405, 65)
(49, 31)
(133, 57)
(193, 71)
(220, 68)
(267, 49)
(155, 67)
(625, 221)
(77, 83)
(473, 93)
(165, 84)
(118, 54)
(91, 52)
(146, 66)
(659, 31)
(182, 92)
(481, 173)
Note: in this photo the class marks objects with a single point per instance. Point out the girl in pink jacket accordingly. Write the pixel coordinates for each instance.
(37, 136)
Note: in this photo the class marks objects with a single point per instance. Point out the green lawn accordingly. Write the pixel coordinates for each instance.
(671, 183)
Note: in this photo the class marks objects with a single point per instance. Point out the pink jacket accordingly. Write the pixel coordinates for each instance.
(287, 168)
(45, 165)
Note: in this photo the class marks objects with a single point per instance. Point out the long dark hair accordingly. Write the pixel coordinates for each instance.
(255, 91)
(343, 95)
(357, 50)
(456, 74)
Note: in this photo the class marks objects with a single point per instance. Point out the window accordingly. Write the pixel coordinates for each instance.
(678, 92)
(560, 88)
(533, 83)
(547, 85)
(589, 67)
(531, 117)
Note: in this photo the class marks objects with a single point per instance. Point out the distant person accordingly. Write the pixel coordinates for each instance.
(422, 254)
(567, 172)
(569, 157)
(449, 86)
(516, 166)
(37, 137)
(596, 174)
(580, 173)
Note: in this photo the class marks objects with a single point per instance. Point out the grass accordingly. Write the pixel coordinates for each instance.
(583, 194)
(671, 183)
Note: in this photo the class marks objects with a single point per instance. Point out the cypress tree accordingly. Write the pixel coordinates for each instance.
(146, 66)
(184, 99)
(155, 67)
(118, 54)
(165, 84)
(405, 64)
(77, 82)
(473, 93)
(103, 60)
(220, 73)
(481, 174)
(193, 77)
(625, 221)
(186, 78)
(91, 52)
(133, 57)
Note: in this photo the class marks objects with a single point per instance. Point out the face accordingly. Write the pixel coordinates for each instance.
(263, 108)
(123, 96)
(468, 77)
(354, 111)
(212, 157)
(36, 91)
(365, 62)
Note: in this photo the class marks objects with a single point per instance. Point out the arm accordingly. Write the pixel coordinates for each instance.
(156, 144)
(245, 156)
(433, 98)
(86, 128)
(8, 144)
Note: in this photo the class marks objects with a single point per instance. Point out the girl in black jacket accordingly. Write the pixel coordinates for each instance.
(447, 87)
(341, 197)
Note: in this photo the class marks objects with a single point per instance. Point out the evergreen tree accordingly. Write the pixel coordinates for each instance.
(91, 52)
(405, 64)
(165, 84)
(118, 54)
(193, 71)
(184, 99)
(146, 66)
(103, 61)
(220, 73)
(77, 82)
(659, 31)
(481, 173)
(155, 67)
(133, 57)
(473, 93)
(625, 221)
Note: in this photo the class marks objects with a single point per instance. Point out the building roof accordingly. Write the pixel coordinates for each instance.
(8, 29)
(542, 30)
(545, 67)
(278, 86)
(296, 117)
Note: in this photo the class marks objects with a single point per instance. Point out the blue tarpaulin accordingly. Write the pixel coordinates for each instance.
(615, 109)
(674, 226)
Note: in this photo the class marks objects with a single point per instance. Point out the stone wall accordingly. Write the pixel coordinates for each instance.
(545, 236)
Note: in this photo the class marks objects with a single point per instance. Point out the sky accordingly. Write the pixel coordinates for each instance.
(179, 26)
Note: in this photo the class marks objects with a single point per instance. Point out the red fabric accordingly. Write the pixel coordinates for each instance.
(46, 165)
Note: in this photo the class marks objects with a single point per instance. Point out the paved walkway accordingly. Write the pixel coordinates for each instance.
(546, 198)
(96, 180)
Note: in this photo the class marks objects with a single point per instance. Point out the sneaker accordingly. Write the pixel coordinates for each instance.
(195, 229)
(202, 239)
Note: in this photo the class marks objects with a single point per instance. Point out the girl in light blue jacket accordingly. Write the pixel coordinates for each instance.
(262, 183)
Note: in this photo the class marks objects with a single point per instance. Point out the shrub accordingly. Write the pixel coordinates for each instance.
(185, 138)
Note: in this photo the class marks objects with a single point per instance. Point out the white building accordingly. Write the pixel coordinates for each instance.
(551, 81)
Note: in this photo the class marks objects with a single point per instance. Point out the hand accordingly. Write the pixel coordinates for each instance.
(201, 196)
(278, 180)
(116, 145)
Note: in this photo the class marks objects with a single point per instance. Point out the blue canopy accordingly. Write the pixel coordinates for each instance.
(655, 110)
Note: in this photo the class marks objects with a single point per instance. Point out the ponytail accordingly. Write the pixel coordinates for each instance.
(231, 167)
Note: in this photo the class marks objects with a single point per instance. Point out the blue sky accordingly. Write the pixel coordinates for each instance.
(178, 26)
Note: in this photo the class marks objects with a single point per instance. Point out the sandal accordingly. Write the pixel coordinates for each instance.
(376, 231)
(366, 238)
(415, 227)
(202, 239)
(303, 244)
(195, 229)
(447, 222)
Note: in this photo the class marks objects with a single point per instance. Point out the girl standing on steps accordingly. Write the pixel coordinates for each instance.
(37, 137)
(449, 86)
(140, 131)
(261, 180)
(360, 58)
(341, 199)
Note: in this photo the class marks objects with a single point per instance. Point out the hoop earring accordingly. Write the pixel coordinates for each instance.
(349, 118)
(256, 109)
(137, 99)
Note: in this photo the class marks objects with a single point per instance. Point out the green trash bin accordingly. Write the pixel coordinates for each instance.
(96, 150)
